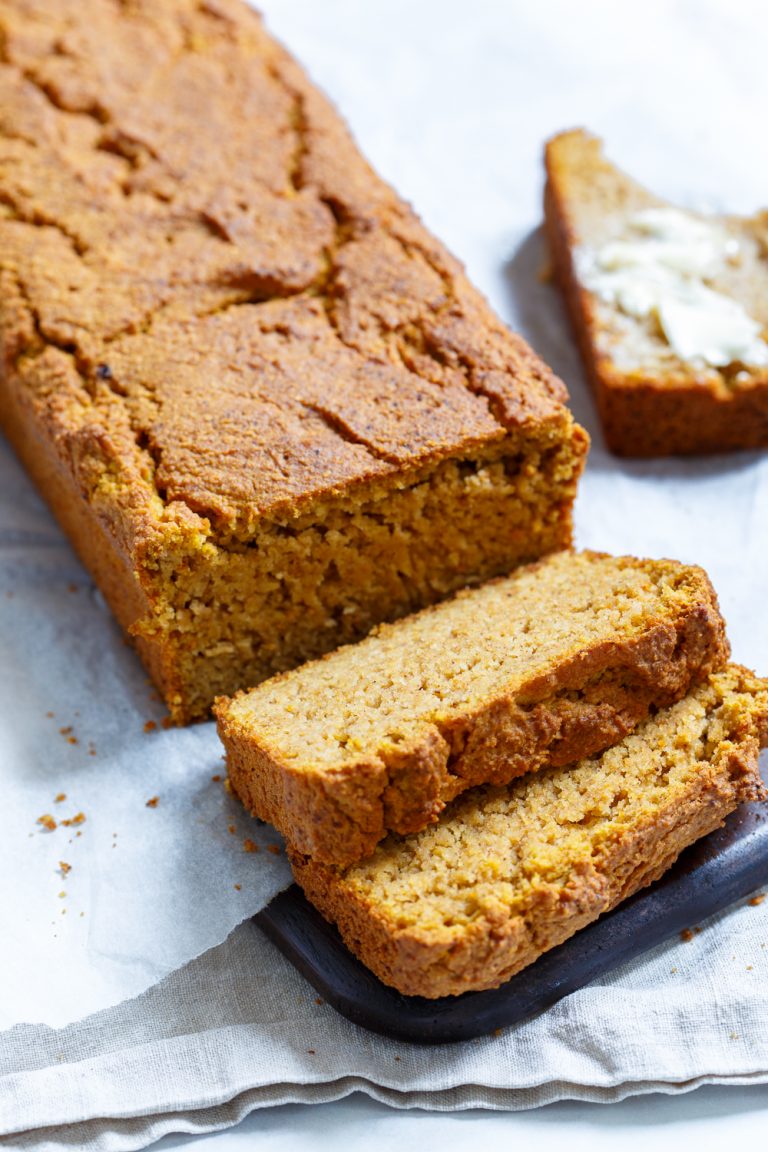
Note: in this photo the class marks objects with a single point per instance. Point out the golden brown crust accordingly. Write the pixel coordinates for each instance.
(581, 705)
(643, 414)
(216, 320)
(433, 959)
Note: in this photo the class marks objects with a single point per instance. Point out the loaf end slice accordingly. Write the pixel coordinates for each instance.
(553, 663)
(508, 873)
(670, 308)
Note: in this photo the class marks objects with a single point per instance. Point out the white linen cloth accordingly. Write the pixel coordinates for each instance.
(453, 105)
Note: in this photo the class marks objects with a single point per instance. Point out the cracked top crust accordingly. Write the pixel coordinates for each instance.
(196, 258)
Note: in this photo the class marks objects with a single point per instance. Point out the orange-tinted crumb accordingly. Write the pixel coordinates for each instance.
(216, 779)
(273, 848)
(686, 935)
(62, 895)
(749, 967)
(91, 751)
(47, 822)
(756, 901)
(65, 731)
(78, 818)
(398, 1059)
(249, 846)
(311, 1051)
(150, 726)
(231, 829)
(72, 740)
(319, 1000)
(59, 797)
(153, 802)
(166, 722)
(50, 715)
(64, 867)
(238, 887)
(79, 833)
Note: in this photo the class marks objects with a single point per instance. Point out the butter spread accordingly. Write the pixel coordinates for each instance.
(659, 267)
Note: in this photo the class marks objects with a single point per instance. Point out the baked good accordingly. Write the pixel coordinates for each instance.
(552, 663)
(509, 872)
(265, 404)
(670, 308)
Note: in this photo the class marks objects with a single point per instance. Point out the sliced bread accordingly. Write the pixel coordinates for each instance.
(670, 308)
(553, 663)
(508, 873)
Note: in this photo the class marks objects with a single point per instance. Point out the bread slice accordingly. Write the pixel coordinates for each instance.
(670, 308)
(554, 662)
(509, 872)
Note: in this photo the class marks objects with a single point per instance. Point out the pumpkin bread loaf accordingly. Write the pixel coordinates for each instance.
(553, 663)
(263, 401)
(670, 308)
(509, 872)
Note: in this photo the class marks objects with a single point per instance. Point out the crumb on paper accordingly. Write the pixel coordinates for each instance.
(78, 818)
(756, 901)
(72, 740)
(150, 726)
(47, 822)
(749, 967)
(228, 785)
(319, 1000)
(50, 715)
(734, 1036)
(398, 1059)
(66, 730)
(166, 722)
(238, 887)
(153, 802)
(688, 934)
(249, 845)
(59, 797)
(497, 1031)
(64, 868)
(273, 848)
(231, 829)
(216, 778)
(311, 1052)
(62, 895)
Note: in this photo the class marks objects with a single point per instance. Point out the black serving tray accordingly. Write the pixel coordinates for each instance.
(724, 867)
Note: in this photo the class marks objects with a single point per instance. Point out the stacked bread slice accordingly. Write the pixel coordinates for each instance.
(469, 786)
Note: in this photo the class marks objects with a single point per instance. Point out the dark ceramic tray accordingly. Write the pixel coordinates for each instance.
(726, 866)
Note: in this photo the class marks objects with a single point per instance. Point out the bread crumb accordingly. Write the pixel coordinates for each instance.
(273, 848)
(59, 797)
(734, 1036)
(686, 935)
(749, 967)
(756, 901)
(50, 715)
(397, 1058)
(216, 778)
(228, 785)
(231, 829)
(64, 868)
(65, 731)
(319, 1000)
(72, 740)
(62, 895)
(47, 822)
(78, 818)
(166, 722)
(150, 726)
(153, 802)
(249, 846)
(311, 1052)
(238, 887)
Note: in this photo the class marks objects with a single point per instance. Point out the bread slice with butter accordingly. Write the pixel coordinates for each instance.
(670, 308)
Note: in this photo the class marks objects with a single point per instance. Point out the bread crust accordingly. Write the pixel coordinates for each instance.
(434, 961)
(582, 705)
(222, 333)
(643, 414)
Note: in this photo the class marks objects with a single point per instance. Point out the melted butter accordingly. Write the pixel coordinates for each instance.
(659, 268)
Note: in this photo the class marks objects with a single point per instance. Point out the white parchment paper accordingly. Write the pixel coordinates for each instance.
(96, 911)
